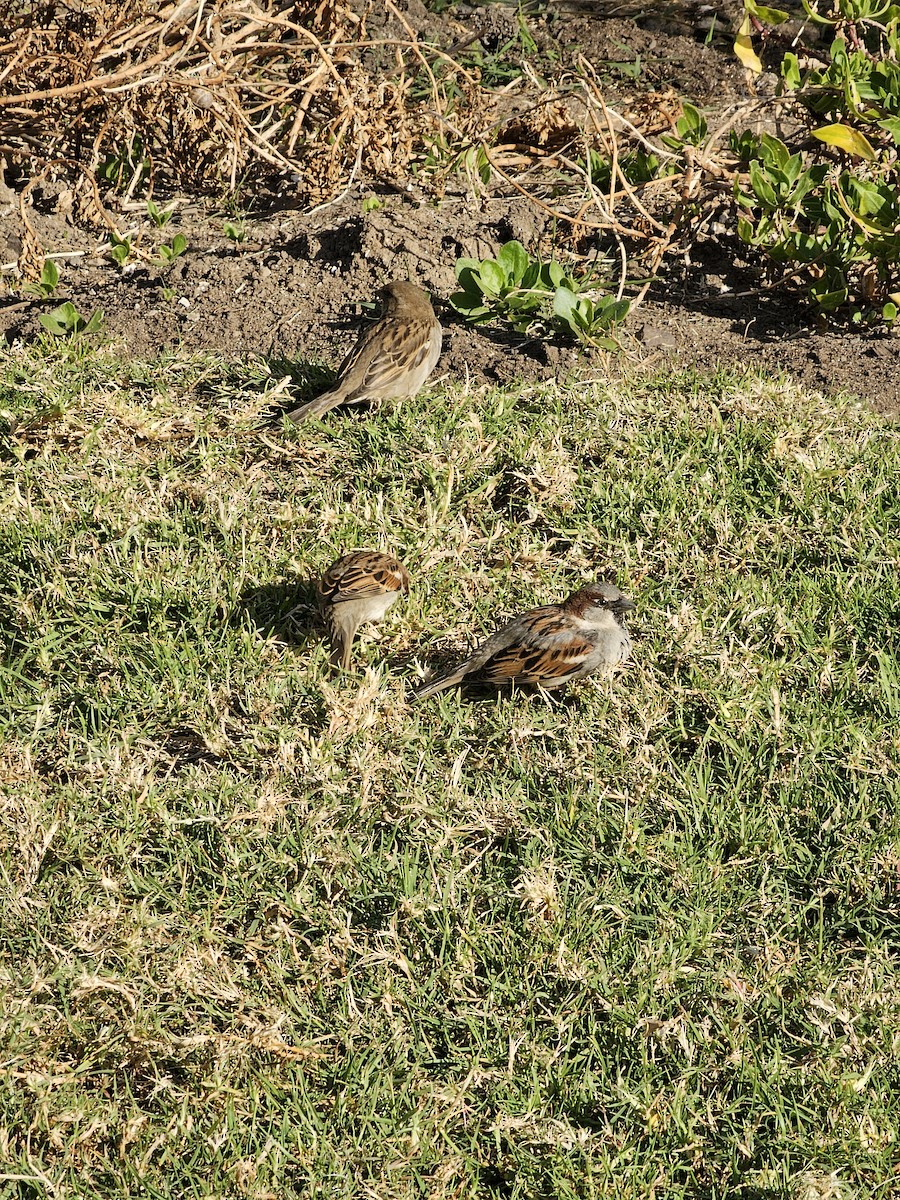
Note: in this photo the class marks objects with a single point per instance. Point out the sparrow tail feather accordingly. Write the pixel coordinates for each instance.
(439, 685)
(341, 647)
(315, 408)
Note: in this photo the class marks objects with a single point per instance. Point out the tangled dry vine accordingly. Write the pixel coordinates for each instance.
(119, 100)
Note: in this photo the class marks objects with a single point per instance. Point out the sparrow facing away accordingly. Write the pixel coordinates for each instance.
(360, 586)
(392, 358)
(551, 645)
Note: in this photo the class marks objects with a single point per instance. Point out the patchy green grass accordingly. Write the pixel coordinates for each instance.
(271, 932)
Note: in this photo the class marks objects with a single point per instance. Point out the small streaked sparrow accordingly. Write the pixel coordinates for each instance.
(361, 586)
(550, 646)
(392, 358)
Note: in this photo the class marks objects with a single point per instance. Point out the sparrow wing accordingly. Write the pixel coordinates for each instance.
(540, 645)
(544, 647)
(386, 361)
(361, 575)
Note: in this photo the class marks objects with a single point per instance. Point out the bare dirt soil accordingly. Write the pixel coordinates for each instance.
(291, 290)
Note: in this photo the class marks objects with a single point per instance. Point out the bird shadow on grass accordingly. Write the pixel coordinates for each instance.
(474, 693)
(285, 609)
(307, 380)
(286, 386)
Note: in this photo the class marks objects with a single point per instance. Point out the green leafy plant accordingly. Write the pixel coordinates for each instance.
(501, 66)
(120, 249)
(126, 165)
(173, 250)
(631, 67)
(235, 231)
(476, 163)
(691, 129)
(67, 321)
(838, 230)
(636, 166)
(535, 297)
(859, 87)
(159, 216)
(829, 216)
(46, 286)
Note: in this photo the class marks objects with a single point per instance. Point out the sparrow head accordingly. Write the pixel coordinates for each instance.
(595, 599)
(402, 298)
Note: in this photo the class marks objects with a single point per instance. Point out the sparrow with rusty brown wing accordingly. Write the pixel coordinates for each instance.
(391, 360)
(361, 586)
(550, 646)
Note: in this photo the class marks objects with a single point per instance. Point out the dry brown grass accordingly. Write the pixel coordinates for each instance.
(266, 929)
(120, 99)
(200, 93)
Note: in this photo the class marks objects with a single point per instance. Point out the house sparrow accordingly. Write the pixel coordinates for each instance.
(360, 586)
(392, 358)
(550, 646)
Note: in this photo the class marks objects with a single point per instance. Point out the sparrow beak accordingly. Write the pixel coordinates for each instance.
(624, 605)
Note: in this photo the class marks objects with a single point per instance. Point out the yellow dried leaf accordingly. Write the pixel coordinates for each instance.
(743, 47)
(851, 141)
